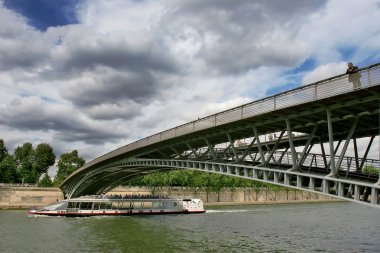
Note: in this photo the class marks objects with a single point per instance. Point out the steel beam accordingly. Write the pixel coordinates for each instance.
(366, 154)
(247, 149)
(292, 149)
(331, 143)
(259, 146)
(275, 146)
(349, 136)
(232, 145)
(304, 152)
(211, 148)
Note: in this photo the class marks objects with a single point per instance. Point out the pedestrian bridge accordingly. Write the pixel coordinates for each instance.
(298, 139)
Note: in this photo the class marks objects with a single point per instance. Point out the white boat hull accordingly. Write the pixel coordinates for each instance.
(84, 207)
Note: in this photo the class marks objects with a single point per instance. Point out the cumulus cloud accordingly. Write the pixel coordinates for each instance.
(343, 32)
(108, 86)
(33, 114)
(233, 38)
(325, 71)
(14, 35)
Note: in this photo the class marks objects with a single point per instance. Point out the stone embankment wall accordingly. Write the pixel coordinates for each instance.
(26, 197)
(236, 196)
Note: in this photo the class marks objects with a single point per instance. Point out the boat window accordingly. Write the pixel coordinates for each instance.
(137, 205)
(115, 205)
(96, 206)
(103, 205)
(157, 205)
(85, 205)
(72, 205)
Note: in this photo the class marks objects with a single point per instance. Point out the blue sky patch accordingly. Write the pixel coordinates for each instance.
(42, 14)
(347, 52)
(308, 65)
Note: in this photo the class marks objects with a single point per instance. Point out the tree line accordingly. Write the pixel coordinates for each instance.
(211, 182)
(29, 165)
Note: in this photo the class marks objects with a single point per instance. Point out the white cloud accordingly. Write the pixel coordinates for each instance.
(130, 69)
(339, 27)
(325, 71)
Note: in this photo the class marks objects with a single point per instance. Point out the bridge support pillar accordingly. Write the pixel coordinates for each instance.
(287, 179)
(374, 196)
(254, 174)
(228, 170)
(357, 193)
(299, 181)
(325, 186)
(275, 177)
(265, 175)
(340, 189)
(311, 184)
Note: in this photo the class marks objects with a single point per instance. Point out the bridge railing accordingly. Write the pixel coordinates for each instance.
(370, 76)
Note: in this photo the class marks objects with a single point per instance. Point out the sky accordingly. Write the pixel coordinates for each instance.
(94, 75)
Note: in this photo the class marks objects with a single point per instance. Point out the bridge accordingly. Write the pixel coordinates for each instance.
(298, 139)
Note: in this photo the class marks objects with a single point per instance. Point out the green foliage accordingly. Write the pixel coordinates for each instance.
(8, 170)
(3, 150)
(45, 181)
(25, 151)
(32, 163)
(44, 158)
(28, 164)
(371, 170)
(67, 164)
(196, 179)
(24, 156)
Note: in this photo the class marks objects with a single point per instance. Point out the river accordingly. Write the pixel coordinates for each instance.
(312, 227)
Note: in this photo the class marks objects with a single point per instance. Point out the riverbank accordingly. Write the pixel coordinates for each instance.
(26, 197)
(210, 204)
(17, 197)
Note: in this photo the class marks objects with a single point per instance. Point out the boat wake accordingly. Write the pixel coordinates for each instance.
(229, 211)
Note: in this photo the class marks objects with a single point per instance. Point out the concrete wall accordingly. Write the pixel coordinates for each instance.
(228, 196)
(26, 197)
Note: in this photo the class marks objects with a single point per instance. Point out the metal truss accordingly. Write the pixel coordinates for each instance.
(346, 189)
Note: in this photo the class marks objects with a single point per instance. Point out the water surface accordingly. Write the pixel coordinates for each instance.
(317, 227)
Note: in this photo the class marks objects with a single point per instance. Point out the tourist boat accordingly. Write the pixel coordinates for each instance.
(117, 205)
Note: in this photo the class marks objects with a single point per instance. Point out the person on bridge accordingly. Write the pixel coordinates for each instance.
(354, 75)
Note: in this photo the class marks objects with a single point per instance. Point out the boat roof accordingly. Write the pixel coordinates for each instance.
(105, 198)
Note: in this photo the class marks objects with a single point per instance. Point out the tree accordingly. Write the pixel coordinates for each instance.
(3, 150)
(25, 158)
(67, 164)
(45, 181)
(371, 170)
(8, 170)
(44, 158)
